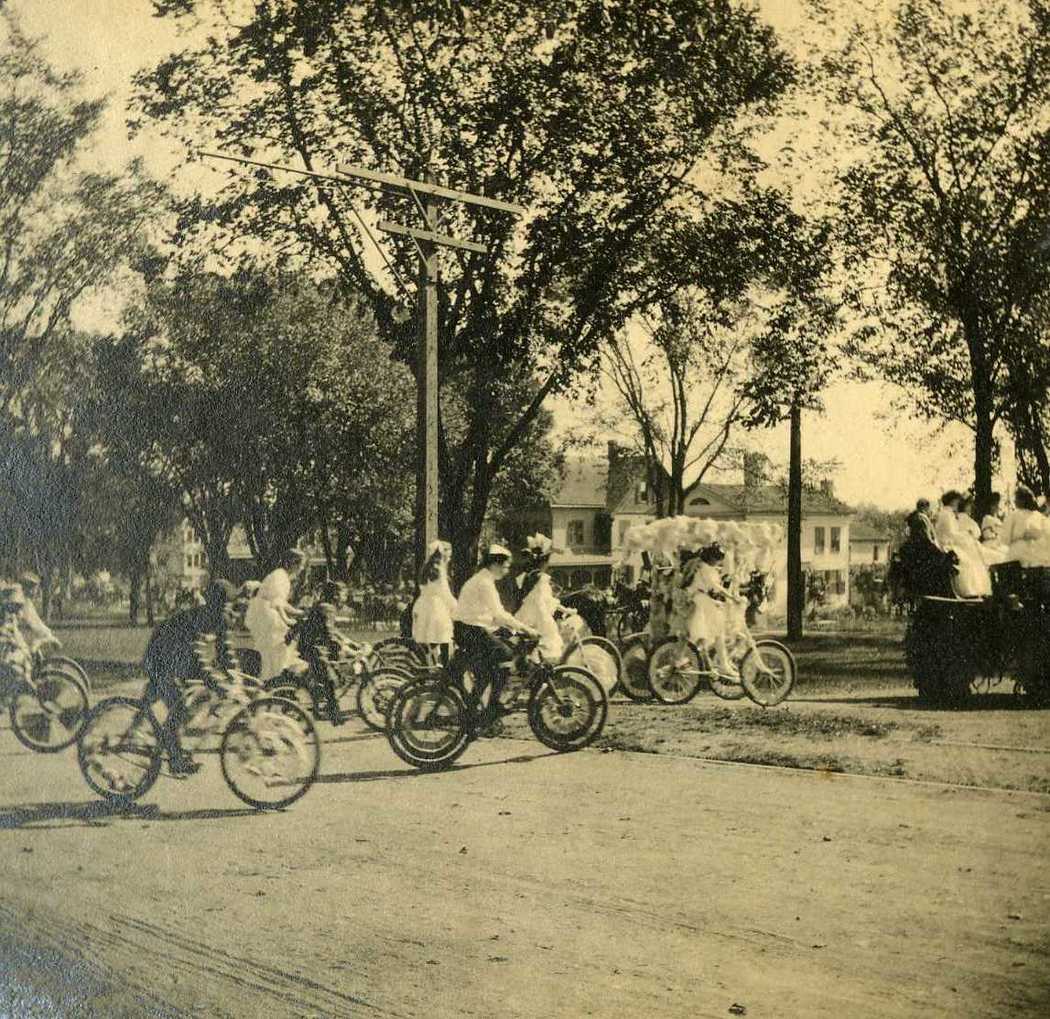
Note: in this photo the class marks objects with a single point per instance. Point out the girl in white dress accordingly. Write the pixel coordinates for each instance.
(270, 614)
(540, 609)
(992, 524)
(1025, 531)
(709, 619)
(973, 579)
(433, 609)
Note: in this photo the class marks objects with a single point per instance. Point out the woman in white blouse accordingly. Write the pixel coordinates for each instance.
(270, 614)
(954, 534)
(1025, 531)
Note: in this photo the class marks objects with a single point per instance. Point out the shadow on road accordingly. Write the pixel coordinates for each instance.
(99, 814)
(408, 772)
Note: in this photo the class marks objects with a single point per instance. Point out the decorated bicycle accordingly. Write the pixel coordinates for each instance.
(702, 571)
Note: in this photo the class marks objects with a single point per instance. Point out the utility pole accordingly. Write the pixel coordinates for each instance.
(427, 390)
(425, 194)
(796, 595)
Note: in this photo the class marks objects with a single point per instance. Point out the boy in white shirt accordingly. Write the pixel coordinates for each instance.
(479, 613)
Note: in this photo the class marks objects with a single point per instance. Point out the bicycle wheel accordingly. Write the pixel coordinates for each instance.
(600, 658)
(634, 676)
(119, 749)
(376, 693)
(47, 715)
(270, 753)
(290, 688)
(69, 665)
(398, 653)
(567, 711)
(427, 725)
(676, 671)
(768, 673)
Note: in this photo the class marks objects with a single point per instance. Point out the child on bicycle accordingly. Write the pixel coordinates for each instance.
(433, 608)
(540, 609)
(16, 660)
(38, 634)
(318, 641)
(712, 604)
(177, 652)
(478, 614)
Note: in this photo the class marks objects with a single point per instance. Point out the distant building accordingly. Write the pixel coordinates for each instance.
(599, 501)
(868, 546)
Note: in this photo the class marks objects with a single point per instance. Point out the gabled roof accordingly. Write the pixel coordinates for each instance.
(583, 484)
(769, 499)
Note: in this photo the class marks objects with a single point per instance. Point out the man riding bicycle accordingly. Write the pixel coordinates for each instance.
(174, 655)
(479, 613)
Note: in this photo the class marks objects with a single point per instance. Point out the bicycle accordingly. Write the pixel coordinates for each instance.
(433, 720)
(269, 750)
(355, 664)
(677, 669)
(47, 707)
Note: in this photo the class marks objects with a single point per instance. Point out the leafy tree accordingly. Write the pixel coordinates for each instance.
(265, 401)
(947, 200)
(65, 232)
(595, 116)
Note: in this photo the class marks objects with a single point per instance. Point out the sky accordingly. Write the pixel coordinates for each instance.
(887, 459)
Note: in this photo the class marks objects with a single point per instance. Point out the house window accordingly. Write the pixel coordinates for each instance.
(574, 532)
(835, 581)
(875, 554)
(836, 539)
(818, 540)
(187, 535)
(189, 562)
(641, 493)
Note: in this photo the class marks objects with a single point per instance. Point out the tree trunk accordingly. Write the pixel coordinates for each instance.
(134, 595)
(151, 615)
(796, 591)
(984, 450)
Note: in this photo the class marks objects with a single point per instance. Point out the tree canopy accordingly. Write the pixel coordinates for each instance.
(597, 117)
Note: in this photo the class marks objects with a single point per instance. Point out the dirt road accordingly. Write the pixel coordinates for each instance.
(525, 884)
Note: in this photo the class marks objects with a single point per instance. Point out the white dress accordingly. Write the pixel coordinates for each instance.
(1024, 535)
(432, 612)
(708, 619)
(973, 579)
(537, 611)
(265, 619)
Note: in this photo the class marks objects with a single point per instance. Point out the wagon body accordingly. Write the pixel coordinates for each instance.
(952, 644)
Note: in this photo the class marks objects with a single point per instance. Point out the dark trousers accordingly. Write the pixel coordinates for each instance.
(486, 654)
(322, 686)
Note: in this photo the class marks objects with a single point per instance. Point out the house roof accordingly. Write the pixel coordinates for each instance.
(583, 484)
(770, 499)
(865, 532)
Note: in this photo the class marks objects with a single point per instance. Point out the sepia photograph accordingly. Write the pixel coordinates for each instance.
(524, 509)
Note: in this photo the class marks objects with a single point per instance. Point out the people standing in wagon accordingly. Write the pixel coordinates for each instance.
(972, 579)
(992, 522)
(270, 614)
(434, 606)
(1024, 529)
